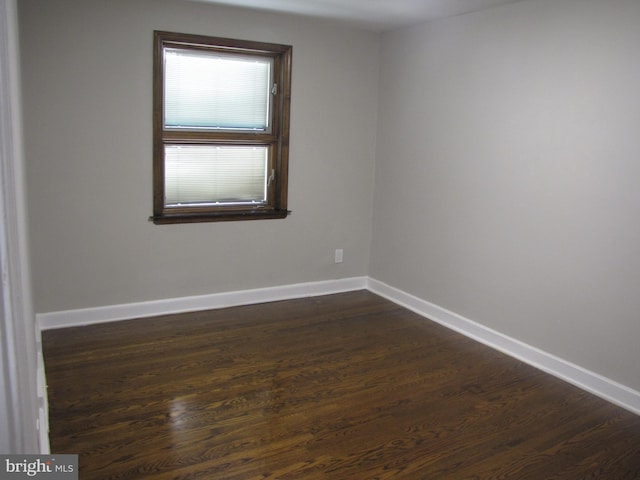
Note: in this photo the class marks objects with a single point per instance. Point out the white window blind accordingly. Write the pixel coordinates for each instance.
(216, 91)
(210, 174)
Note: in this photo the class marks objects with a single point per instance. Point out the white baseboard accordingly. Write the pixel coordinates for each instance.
(592, 382)
(603, 387)
(111, 313)
(43, 402)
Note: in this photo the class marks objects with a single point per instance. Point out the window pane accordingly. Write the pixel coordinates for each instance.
(217, 91)
(202, 175)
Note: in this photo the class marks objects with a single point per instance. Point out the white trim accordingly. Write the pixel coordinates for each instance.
(589, 381)
(17, 329)
(111, 313)
(89, 316)
(43, 408)
(592, 382)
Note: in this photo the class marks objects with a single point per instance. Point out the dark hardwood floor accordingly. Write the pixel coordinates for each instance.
(346, 386)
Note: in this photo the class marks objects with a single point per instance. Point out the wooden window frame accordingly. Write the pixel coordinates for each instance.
(277, 139)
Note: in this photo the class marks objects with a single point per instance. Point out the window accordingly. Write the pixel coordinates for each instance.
(221, 129)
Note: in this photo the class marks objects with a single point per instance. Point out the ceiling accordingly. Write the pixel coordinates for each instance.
(376, 15)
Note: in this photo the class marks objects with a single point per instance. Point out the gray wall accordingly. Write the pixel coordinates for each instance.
(87, 70)
(507, 177)
(506, 166)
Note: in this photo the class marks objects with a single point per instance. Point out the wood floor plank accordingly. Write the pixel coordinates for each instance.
(346, 386)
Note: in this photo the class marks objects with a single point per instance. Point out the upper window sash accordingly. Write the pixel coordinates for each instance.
(220, 91)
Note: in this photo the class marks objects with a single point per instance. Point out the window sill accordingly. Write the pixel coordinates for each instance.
(169, 218)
